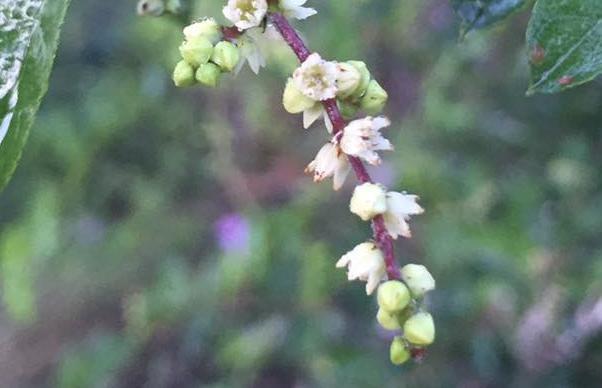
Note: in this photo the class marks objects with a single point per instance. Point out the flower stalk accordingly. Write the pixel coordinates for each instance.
(381, 236)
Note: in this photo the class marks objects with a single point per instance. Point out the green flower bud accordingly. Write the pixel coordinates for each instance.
(398, 352)
(208, 74)
(418, 278)
(387, 320)
(197, 51)
(348, 109)
(208, 29)
(226, 55)
(348, 79)
(293, 100)
(183, 74)
(364, 81)
(393, 296)
(420, 329)
(375, 98)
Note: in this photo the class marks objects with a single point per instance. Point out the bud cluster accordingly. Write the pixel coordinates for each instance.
(399, 303)
(204, 55)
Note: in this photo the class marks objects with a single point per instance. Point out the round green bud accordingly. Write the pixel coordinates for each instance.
(348, 79)
(375, 99)
(393, 296)
(293, 100)
(364, 80)
(348, 109)
(387, 320)
(398, 352)
(226, 55)
(197, 51)
(183, 74)
(420, 329)
(418, 278)
(208, 29)
(208, 74)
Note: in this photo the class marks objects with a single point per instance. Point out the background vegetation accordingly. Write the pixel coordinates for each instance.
(165, 238)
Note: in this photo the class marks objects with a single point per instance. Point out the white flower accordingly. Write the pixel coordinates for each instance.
(246, 14)
(294, 9)
(368, 201)
(362, 138)
(253, 46)
(314, 113)
(330, 161)
(316, 78)
(399, 209)
(365, 262)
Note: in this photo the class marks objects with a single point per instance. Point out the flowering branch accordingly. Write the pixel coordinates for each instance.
(336, 92)
(381, 236)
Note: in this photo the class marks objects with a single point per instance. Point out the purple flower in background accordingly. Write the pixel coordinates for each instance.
(233, 233)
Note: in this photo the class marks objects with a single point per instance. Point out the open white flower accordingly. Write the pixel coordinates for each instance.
(365, 262)
(400, 207)
(362, 138)
(294, 9)
(246, 14)
(330, 161)
(316, 78)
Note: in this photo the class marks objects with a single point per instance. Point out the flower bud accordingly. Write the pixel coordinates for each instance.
(208, 29)
(368, 200)
(197, 51)
(418, 278)
(208, 74)
(420, 329)
(393, 296)
(398, 352)
(293, 100)
(348, 79)
(226, 55)
(364, 81)
(348, 109)
(387, 320)
(183, 74)
(375, 98)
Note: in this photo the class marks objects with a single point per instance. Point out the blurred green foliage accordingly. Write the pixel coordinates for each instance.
(114, 274)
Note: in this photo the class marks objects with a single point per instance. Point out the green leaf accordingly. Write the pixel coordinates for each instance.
(29, 32)
(564, 39)
(482, 13)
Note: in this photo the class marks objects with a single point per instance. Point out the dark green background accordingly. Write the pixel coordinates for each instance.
(112, 276)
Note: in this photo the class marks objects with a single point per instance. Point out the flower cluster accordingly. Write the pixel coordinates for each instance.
(318, 80)
(336, 92)
(205, 56)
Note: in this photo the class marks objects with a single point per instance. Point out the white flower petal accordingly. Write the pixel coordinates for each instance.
(312, 114)
(399, 209)
(329, 161)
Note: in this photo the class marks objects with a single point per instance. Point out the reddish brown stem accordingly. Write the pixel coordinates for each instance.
(381, 236)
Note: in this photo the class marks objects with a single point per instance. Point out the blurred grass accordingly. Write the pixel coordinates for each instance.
(112, 273)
